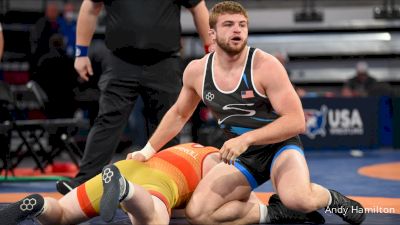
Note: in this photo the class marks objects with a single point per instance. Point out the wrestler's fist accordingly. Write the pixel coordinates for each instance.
(232, 149)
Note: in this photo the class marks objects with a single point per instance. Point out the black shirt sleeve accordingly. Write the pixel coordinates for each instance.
(188, 3)
(97, 0)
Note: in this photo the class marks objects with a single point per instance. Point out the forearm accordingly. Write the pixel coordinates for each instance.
(281, 129)
(171, 124)
(87, 21)
(200, 16)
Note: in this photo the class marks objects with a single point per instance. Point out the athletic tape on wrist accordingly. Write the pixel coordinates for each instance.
(148, 151)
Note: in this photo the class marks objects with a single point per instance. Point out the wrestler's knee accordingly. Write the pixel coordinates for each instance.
(196, 214)
(299, 202)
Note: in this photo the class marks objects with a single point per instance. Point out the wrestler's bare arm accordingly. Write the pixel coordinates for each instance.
(180, 112)
(272, 80)
(200, 18)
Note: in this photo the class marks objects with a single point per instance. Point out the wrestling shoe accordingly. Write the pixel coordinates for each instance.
(279, 213)
(348, 209)
(63, 186)
(114, 189)
(27, 207)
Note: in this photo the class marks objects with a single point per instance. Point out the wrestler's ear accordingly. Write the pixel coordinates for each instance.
(212, 34)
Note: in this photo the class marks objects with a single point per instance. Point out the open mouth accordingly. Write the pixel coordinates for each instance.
(236, 39)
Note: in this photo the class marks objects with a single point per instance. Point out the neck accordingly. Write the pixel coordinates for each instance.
(228, 61)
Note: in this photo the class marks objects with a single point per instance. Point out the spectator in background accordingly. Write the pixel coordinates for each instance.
(41, 32)
(1, 42)
(56, 75)
(67, 23)
(360, 84)
(4, 138)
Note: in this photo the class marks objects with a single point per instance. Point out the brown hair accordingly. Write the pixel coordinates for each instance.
(226, 7)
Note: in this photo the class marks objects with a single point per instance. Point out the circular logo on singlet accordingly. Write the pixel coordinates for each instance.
(209, 96)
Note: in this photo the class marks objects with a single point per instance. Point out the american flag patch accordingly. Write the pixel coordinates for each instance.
(247, 94)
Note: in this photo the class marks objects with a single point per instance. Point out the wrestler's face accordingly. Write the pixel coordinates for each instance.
(230, 33)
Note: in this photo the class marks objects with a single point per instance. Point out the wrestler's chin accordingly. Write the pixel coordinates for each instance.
(235, 49)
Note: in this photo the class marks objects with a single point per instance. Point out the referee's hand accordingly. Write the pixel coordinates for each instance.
(84, 67)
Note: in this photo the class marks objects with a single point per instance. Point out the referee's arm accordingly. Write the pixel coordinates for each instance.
(201, 16)
(86, 25)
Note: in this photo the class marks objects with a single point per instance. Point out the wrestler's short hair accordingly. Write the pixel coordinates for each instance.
(226, 7)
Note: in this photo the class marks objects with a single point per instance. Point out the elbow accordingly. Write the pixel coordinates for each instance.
(182, 119)
(298, 124)
(301, 127)
(179, 116)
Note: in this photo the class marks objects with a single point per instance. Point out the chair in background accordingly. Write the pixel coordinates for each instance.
(62, 129)
(31, 132)
(5, 129)
(9, 110)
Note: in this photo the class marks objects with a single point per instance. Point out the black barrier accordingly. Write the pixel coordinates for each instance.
(341, 123)
(396, 123)
(386, 122)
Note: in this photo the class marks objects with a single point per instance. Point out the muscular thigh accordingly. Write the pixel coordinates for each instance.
(224, 183)
(290, 173)
(72, 211)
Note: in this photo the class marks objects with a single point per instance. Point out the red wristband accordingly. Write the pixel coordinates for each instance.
(206, 49)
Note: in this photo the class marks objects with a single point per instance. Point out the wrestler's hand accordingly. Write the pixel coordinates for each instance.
(84, 67)
(144, 154)
(136, 156)
(232, 149)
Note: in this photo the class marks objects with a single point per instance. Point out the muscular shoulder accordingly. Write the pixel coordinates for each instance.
(265, 61)
(194, 71)
(267, 70)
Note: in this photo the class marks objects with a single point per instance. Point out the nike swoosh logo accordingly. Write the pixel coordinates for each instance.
(246, 112)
